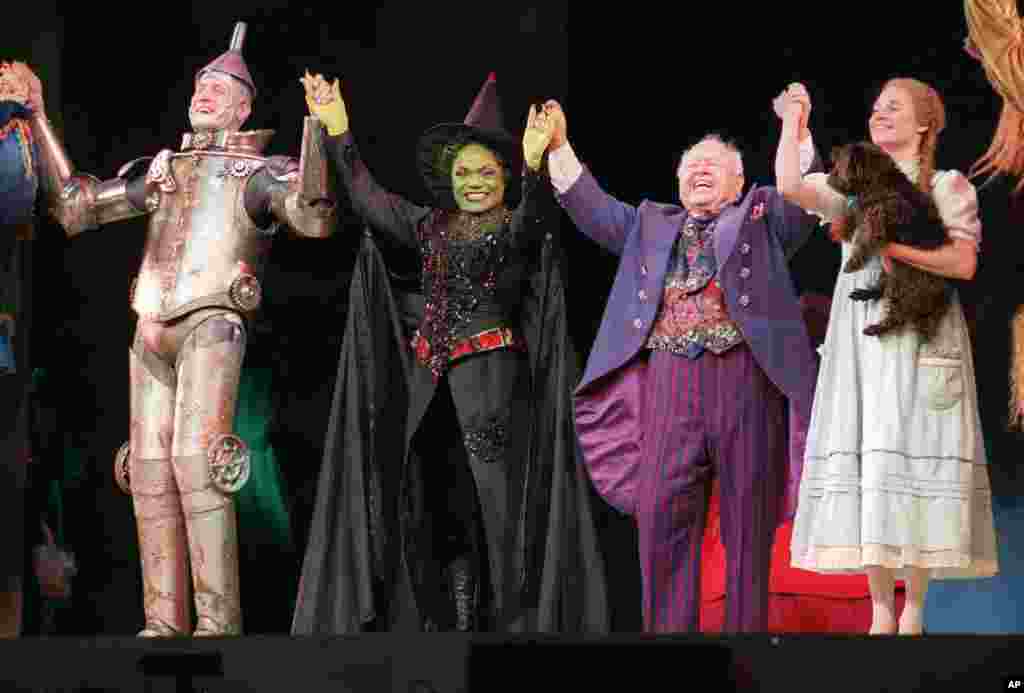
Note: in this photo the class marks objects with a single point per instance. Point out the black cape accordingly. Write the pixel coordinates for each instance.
(355, 537)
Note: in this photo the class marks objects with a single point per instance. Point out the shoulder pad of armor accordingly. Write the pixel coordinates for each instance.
(283, 168)
(134, 167)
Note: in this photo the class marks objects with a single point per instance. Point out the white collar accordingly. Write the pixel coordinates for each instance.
(911, 168)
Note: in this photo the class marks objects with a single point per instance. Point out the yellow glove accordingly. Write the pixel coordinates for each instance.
(539, 130)
(325, 103)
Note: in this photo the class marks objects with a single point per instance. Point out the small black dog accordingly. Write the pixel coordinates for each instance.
(888, 208)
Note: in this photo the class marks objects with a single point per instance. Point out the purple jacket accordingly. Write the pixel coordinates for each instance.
(754, 240)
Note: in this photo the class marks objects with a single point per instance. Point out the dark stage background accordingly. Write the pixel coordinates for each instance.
(637, 89)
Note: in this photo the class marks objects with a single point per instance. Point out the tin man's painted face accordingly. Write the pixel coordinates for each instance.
(218, 103)
(478, 179)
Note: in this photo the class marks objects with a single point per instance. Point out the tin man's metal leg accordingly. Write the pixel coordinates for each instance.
(210, 464)
(157, 504)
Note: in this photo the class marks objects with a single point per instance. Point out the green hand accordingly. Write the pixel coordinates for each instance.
(539, 131)
(325, 103)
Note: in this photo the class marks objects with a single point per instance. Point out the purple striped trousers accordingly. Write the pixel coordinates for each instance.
(717, 415)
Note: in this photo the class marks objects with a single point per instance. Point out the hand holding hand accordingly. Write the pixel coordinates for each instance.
(539, 131)
(24, 74)
(794, 102)
(554, 112)
(325, 102)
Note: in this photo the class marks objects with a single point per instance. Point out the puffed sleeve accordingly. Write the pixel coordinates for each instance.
(957, 200)
(829, 203)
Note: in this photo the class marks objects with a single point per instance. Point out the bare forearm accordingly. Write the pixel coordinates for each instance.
(956, 260)
(787, 158)
(789, 177)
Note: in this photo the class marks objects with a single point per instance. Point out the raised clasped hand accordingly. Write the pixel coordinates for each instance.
(539, 130)
(18, 82)
(554, 112)
(325, 103)
(793, 97)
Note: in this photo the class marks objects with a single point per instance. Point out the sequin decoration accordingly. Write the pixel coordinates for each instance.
(462, 255)
(466, 226)
(488, 442)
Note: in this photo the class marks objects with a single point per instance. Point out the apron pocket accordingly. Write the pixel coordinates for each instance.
(943, 380)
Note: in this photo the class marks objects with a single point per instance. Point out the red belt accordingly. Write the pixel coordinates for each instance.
(488, 340)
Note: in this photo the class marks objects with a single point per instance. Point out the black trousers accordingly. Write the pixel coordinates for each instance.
(464, 488)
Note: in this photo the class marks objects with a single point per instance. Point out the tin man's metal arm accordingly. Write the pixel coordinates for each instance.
(304, 198)
(80, 202)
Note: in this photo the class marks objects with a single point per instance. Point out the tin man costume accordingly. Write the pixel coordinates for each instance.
(214, 207)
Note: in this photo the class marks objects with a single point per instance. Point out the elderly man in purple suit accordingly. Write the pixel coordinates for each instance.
(701, 350)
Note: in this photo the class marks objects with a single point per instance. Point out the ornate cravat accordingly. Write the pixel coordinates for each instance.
(693, 316)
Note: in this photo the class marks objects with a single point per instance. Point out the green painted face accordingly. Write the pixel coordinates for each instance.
(478, 179)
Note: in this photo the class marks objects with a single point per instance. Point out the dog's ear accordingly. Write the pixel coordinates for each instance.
(838, 177)
(837, 155)
(858, 162)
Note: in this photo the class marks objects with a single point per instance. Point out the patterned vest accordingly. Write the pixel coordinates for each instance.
(693, 315)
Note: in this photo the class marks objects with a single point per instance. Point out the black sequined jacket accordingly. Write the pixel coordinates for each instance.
(473, 265)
